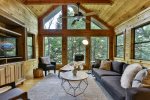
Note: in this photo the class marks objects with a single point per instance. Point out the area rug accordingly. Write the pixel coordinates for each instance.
(50, 89)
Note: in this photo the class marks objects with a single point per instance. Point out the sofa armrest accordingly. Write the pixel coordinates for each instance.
(138, 94)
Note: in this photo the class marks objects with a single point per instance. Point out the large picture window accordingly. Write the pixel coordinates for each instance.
(120, 45)
(53, 48)
(142, 42)
(99, 48)
(75, 46)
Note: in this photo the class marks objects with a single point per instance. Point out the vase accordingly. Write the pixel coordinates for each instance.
(74, 72)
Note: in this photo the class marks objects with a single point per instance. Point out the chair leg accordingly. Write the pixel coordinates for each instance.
(45, 72)
(54, 70)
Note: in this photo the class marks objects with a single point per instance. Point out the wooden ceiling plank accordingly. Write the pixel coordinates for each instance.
(67, 1)
(132, 12)
(123, 11)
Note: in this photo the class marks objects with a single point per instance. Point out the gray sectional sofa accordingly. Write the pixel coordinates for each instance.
(110, 80)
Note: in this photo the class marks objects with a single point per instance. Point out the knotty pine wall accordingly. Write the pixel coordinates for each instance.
(126, 27)
(19, 11)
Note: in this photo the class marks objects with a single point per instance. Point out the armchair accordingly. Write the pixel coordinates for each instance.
(46, 65)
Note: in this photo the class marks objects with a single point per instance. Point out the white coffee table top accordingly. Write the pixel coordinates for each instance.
(81, 75)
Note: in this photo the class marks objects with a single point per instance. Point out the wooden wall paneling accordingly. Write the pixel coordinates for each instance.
(2, 75)
(138, 19)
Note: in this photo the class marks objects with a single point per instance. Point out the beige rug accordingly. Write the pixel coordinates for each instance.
(50, 89)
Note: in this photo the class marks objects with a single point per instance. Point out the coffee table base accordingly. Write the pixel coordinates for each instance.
(74, 88)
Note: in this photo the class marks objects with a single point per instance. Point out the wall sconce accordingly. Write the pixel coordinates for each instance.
(85, 42)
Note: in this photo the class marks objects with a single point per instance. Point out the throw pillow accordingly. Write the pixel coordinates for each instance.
(129, 74)
(105, 65)
(4, 89)
(45, 60)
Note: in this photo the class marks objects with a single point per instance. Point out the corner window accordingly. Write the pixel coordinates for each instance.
(142, 42)
(120, 45)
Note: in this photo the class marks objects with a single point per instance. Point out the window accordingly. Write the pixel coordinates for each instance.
(142, 42)
(30, 48)
(120, 45)
(79, 23)
(53, 20)
(10, 48)
(99, 48)
(53, 48)
(95, 24)
(75, 46)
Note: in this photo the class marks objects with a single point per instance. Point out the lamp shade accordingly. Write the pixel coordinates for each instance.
(85, 42)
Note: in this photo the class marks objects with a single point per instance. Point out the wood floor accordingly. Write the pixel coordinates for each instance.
(29, 83)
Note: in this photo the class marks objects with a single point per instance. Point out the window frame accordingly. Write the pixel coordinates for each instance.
(32, 46)
(134, 43)
(122, 33)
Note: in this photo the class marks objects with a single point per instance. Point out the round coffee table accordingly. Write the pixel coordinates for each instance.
(74, 85)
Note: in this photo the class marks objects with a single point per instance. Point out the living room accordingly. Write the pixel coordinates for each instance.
(57, 31)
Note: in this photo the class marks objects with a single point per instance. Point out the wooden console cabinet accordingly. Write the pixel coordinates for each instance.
(12, 72)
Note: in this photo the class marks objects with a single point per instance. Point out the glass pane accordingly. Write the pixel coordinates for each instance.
(30, 47)
(142, 34)
(120, 51)
(142, 51)
(75, 46)
(74, 22)
(120, 39)
(53, 48)
(53, 20)
(99, 48)
(94, 26)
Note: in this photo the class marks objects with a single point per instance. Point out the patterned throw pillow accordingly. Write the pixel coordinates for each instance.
(46, 60)
(105, 65)
(142, 78)
(129, 74)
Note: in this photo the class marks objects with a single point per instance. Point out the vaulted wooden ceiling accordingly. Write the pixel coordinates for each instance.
(113, 12)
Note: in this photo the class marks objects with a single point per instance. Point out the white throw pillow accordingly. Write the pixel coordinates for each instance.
(129, 74)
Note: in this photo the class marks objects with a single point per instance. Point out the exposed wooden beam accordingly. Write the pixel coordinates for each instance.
(27, 2)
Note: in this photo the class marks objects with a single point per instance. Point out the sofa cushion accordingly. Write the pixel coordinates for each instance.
(105, 65)
(101, 72)
(112, 84)
(129, 74)
(117, 66)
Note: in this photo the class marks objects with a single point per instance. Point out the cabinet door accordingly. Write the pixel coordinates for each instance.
(2, 76)
(19, 72)
(10, 69)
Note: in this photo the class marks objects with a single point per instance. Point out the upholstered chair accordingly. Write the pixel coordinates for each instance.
(46, 64)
